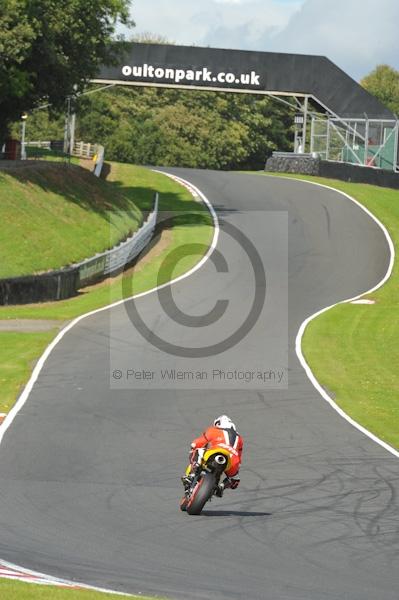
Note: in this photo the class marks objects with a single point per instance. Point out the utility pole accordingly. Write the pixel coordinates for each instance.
(73, 120)
(24, 116)
(72, 133)
(305, 122)
(67, 128)
(298, 143)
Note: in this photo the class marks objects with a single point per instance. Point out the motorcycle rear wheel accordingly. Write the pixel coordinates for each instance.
(201, 494)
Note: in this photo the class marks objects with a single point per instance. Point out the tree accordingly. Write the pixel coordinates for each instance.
(189, 128)
(147, 37)
(383, 83)
(47, 47)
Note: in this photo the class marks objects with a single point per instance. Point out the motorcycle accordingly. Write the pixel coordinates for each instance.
(206, 470)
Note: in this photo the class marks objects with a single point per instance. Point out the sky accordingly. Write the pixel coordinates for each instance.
(355, 34)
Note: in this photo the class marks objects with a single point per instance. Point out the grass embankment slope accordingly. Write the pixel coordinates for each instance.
(57, 215)
(353, 349)
(15, 590)
(135, 187)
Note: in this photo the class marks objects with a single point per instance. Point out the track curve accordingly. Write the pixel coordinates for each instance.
(89, 477)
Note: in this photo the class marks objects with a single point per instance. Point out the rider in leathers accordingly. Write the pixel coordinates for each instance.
(223, 434)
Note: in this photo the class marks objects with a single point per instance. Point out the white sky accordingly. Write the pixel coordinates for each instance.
(355, 34)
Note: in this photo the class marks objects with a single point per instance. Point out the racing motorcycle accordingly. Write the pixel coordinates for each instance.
(205, 471)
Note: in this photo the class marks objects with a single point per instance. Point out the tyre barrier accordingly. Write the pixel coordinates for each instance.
(291, 162)
(65, 283)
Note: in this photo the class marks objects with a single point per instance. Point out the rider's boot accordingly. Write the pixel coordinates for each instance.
(219, 490)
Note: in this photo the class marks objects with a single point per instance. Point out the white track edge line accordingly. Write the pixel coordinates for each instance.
(301, 331)
(49, 579)
(298, 341)
(39, 365)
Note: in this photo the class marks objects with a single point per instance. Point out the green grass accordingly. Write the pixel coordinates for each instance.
(353, 349)
(16, 590)
(54, 216)
(18, 352)
(191, 222)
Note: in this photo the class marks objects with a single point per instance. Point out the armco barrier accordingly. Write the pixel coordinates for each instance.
(114, 260)
(56, 285)
(64, 283)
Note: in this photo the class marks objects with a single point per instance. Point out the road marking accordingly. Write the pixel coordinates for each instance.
(11, 571)
(298, 347)
(39, 365)
(363, 301)
(298, 340)
(185, 184)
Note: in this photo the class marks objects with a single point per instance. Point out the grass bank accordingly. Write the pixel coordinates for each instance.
(16, 590)
(353, 349)
(189, 221)
(55, 215)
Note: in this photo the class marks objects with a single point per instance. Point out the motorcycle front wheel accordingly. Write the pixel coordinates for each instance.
(201, 494)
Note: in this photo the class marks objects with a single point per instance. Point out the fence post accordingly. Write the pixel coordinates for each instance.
(328, 139)
(366, 142)
(396, 148)
(312, 135)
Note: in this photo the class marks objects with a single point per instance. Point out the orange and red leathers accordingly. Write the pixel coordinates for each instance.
(214, 437)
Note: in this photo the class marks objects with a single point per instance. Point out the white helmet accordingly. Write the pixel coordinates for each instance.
(224, 422)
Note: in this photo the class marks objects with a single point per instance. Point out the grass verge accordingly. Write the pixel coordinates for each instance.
(16, 590)
(353, 349)
(18, 352)
(190, 222)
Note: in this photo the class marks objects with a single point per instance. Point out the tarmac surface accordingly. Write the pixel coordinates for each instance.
(89, 469)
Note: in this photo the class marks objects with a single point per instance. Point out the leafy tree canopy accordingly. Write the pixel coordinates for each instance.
(383, 82)
(48, 46)
(147, 37)
(177, 127)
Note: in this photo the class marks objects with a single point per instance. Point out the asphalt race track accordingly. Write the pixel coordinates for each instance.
(89, 476)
